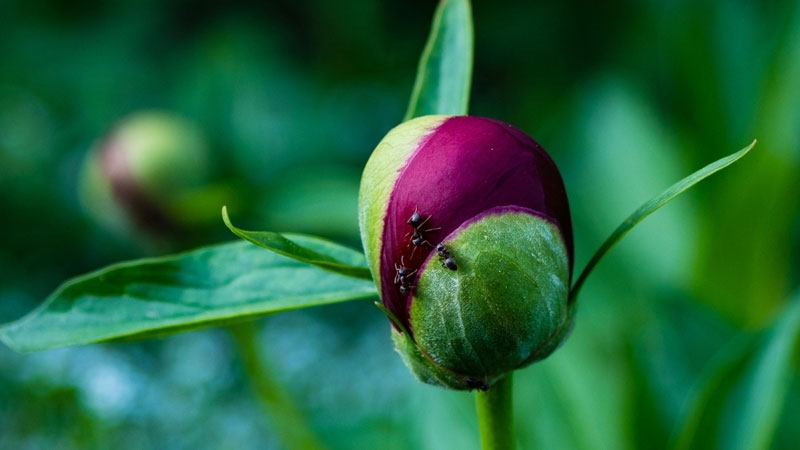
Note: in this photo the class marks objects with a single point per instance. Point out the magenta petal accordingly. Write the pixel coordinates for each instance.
(468, 165)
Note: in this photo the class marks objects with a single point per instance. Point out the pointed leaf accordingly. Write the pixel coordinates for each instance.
(202, 288)
(444, 74)
(652, 206)
(324, 254)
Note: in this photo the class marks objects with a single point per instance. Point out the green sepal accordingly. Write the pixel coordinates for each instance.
(427, 371)
(504, 307)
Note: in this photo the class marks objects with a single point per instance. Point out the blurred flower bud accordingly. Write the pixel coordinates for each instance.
(467, 232)
(137, 177)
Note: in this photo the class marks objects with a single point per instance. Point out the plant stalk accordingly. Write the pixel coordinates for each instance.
(289, 423)
(495, 416)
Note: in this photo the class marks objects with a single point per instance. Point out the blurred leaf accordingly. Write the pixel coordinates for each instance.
(202, 288)
(740, 399)
(314, 199)
(445, 67)
(652, 206)
(324, 254)
(677, 338)
(762, 204)
(616, 172)
(578, 397)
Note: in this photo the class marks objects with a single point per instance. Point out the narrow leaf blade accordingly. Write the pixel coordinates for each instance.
(740, 398)
(156, 296)
(652, 206)
(444, 74)
(324, 254)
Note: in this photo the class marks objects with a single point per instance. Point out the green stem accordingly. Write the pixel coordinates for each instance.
(288, 421)
(495, 417)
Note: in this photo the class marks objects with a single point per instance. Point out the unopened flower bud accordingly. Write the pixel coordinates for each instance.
(467, 231)
(135, 177)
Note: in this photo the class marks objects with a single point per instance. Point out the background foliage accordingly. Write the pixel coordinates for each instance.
(694, 308)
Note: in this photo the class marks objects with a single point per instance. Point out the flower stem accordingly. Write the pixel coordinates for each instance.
(289, 423)
(494, 416)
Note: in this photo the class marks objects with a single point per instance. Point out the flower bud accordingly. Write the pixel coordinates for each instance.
(138, 175)
(467, 231)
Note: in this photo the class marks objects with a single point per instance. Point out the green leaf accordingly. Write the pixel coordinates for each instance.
(652, 206)
(445, 68)
(202, 288)
(324, 254)
(741, 396)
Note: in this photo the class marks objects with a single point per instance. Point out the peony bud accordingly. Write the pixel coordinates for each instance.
(467, 232)
(139, 174)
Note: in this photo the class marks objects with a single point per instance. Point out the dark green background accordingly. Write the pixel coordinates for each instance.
(293, 96)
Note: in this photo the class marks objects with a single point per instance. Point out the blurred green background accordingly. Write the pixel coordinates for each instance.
(292, 96)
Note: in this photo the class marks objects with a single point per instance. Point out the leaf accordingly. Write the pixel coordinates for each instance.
(652, 206)
(324, 254)
(577, 398)
(445, 68)
(741, 396)
(202, 288)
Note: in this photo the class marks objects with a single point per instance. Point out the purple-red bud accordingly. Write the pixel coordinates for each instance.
(430, 186)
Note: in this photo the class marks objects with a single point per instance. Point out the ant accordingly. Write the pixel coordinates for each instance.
(417, 237)
(403, 277)
(418, 241)
(405, 290)
(473, 383)
(403, 273)
(416, 219)
(447, 258)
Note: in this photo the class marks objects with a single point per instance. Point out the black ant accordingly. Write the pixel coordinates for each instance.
(472, 383)
(416, 222)
(417, 237)
(405, 290)
(418, 241)
(447, 258)
(416, 219)
(403, 272)
(403, 277)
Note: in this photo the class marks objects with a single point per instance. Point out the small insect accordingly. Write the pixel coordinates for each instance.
(447, 258)
(417, 222)
(472, 383)
(416, 219)
(417, 240)
(402, 273)
(403, 277)
(417, 236)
